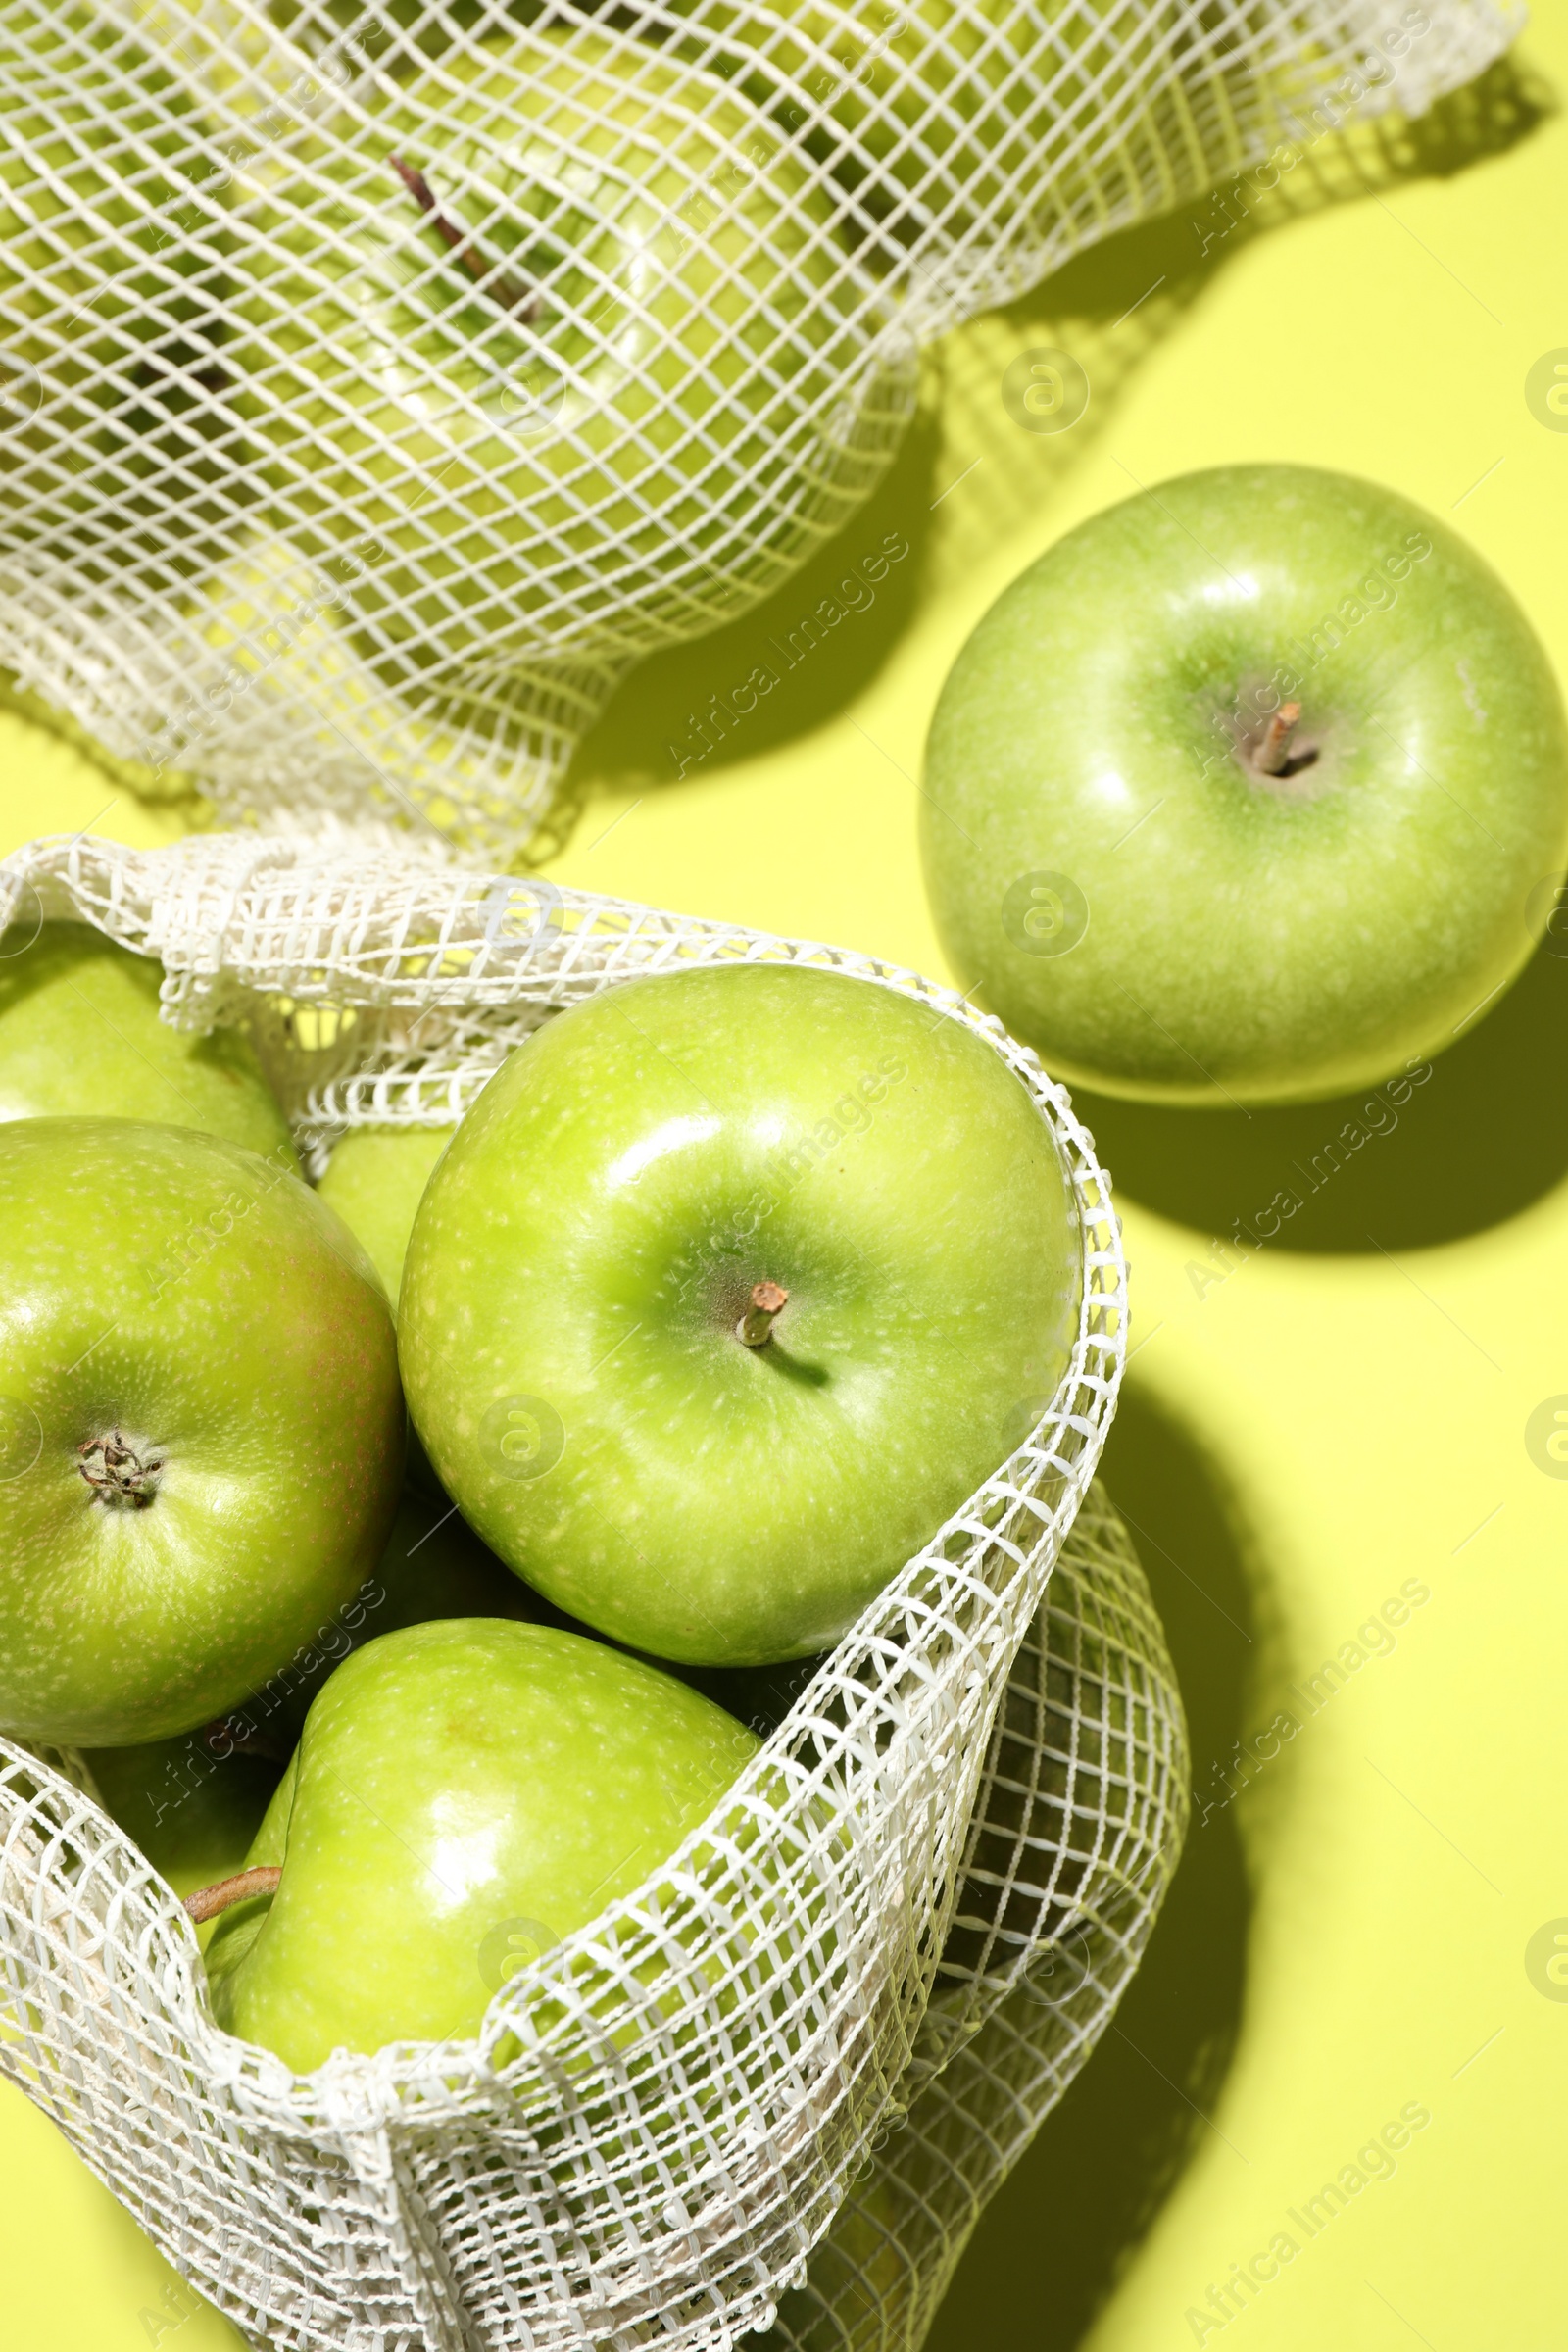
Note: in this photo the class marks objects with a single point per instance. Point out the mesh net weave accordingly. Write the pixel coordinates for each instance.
(657, 2123)
(377, 383)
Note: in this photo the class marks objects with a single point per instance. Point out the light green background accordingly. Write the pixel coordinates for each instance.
(1345, 1411)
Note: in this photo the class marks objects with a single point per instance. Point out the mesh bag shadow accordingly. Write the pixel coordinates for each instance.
(933, 1878)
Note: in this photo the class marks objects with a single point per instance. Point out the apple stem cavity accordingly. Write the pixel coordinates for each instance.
(500, 284)
(756, 1327)
(208, 1903)
(116, 1473)
(1273, 754)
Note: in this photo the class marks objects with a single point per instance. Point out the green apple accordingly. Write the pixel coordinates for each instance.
(1246, 792)
(112, 281)
(731, 1287)
(570, 360)
(940, 112)
(80, 1035)
(375, 1180)
(201, 1429)
(464, 1795)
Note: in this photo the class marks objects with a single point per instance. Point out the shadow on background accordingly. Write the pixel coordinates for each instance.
(647, 730)
(1052, 2244)
(664, 713)
(1110, 306)
(1482, 1139)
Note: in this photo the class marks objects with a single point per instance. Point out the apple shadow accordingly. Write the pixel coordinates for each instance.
(1114, 302)
(1482, 1139)
(1049, 2247)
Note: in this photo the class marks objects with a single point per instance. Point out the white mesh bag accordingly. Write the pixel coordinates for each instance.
(377, 383)
(1077, 1825)
(656, 2124)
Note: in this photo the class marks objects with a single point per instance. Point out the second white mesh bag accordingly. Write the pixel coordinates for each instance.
(377, 383)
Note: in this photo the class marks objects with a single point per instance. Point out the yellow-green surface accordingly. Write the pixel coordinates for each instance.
(1345, 1410)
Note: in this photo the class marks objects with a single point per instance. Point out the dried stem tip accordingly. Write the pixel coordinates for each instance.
(756, 1326)
(207, 1901)
(117, 1472)
(500, 284)
(1273, 754)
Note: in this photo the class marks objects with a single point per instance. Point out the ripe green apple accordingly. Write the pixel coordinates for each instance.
(201, 1430)
(1242, 792)
(375, 1180)
(112, 276)
(80, 1035)
(572, 360)
(854, 1177)
(464, 1795)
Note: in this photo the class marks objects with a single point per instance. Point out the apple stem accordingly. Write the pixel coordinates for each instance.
(207, 1901)
(1273, 754)
(119, 1473)
(756, 1326)
(500, 284)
